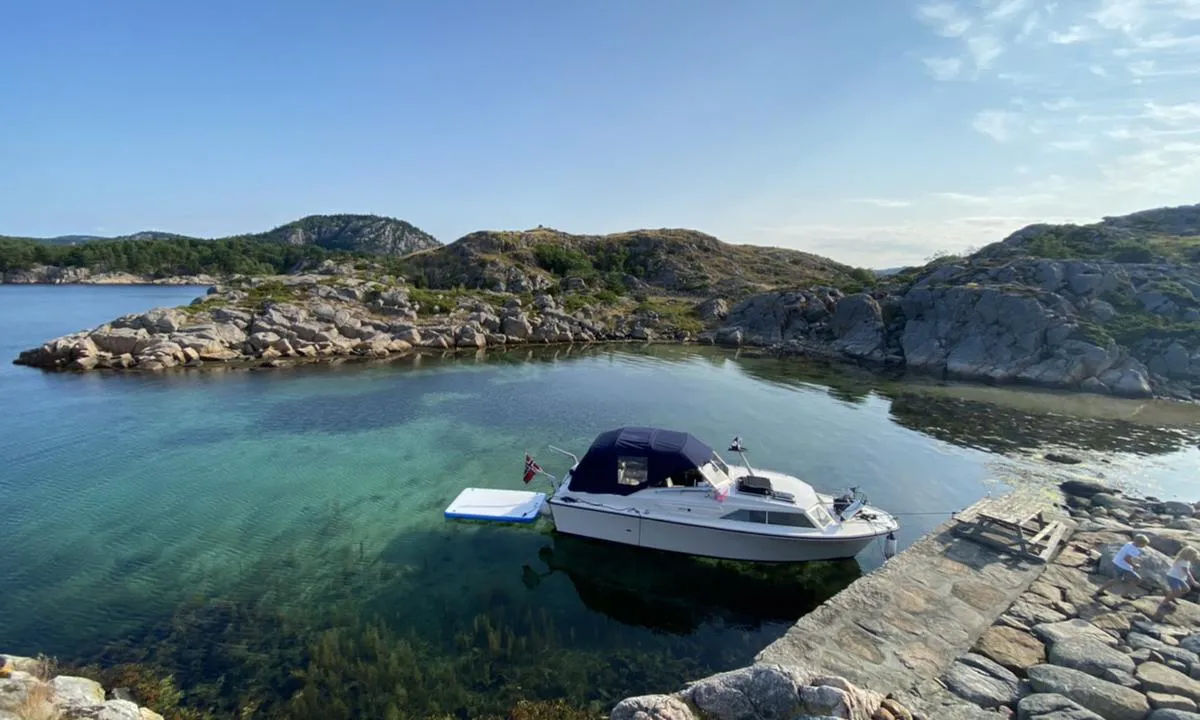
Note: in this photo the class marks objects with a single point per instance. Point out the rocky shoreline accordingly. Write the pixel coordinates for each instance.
(55, 275)
(1038, 323)
(310, 318)
(30, 690)
(1060, 651)
(1123, 329)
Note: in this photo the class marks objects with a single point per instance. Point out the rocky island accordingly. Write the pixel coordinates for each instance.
(1108, 308)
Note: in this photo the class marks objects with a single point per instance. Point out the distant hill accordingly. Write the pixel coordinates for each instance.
(672, 260)
(369, 234)
(281, 250)
(1169, 234)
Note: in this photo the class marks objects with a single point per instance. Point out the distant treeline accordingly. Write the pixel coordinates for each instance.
(166, 257)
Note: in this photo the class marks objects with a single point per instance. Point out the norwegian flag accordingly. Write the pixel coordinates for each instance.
(531, 468)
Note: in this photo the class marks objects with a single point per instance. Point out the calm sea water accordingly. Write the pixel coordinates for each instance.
(253, 523)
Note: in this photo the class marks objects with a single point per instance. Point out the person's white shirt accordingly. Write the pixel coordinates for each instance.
(1125, 554)
(1180, 569)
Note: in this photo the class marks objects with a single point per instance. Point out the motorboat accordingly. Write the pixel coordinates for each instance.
(668, 490)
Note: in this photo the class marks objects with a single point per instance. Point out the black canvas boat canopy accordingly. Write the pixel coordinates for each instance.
(659, 453)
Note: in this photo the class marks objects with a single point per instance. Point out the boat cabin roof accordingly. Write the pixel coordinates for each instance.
(628, 459)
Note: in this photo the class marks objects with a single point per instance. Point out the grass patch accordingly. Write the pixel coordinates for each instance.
(208, 304)
(1132, 323)
(1102, 242)
(448, 300)
(1094, 333)
(577, 301)
(680, 313)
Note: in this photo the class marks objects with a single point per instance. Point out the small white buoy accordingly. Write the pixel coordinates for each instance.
(889, 546)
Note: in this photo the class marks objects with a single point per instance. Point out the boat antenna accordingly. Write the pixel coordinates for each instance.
(737, 447)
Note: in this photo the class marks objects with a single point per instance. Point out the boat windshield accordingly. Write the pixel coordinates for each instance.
(720, 464)
(821, 515)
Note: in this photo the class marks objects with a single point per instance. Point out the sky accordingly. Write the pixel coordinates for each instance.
(876, 132)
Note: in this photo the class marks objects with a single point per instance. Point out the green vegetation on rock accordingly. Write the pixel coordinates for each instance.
(1158, 235)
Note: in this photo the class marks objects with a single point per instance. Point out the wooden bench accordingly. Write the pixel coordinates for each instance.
(1013, 523)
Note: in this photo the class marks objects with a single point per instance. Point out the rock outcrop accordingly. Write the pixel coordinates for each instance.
(764, 691)
(28, 692)
(309, 318)
(1105, 327)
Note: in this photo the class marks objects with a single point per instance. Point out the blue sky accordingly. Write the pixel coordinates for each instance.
(872, 131)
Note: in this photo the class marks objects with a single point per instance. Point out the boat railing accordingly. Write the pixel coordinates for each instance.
(573, 456)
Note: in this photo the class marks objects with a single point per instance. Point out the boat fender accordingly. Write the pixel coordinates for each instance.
(889, 546)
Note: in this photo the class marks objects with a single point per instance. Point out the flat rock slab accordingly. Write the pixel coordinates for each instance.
(1109, 700)
(1160, 678)
(1170, 702)
(910, 619)
(1012, 648)
(1184, 614)
(1052, 633)
(1168, 714)
(1086, 654)
(1052, 706)
(979, 680)
(1034, 614)
(1138, 641)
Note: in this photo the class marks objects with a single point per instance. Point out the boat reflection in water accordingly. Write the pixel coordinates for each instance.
(674, 593)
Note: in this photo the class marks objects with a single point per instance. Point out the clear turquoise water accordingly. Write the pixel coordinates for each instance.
(315, 495)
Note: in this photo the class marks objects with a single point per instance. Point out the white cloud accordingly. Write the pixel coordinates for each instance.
(1104, 91)
(1007, 8)
(999, 125)
(984, 50)
(1074, 145)
(882, 202)
(1065, 103)
(1093, 104)
(1074, 34)
(945, 17)
(943, 68)
(963, 198)
(1123, 15)
(1174, 115)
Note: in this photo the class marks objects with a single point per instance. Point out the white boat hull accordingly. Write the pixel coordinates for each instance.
(633, 528)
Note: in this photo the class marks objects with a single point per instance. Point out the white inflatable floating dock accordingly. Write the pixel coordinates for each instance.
(518, 506)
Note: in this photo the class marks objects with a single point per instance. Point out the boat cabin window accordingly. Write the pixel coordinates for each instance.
(754, 516)
(686, 478)
(763, 517)
(631, 470)
(792, 519)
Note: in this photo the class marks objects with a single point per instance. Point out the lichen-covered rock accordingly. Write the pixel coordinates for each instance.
(1055, 632)
(981, 681)
(24, 696)
(1160, 678)
(1086, 654)
(1109, 700)
(758, 690)
(1052, 706)
(1011, 648)
(652, 707)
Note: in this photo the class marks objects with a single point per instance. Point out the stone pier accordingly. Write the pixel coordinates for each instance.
(893, 632)
(910, 619)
